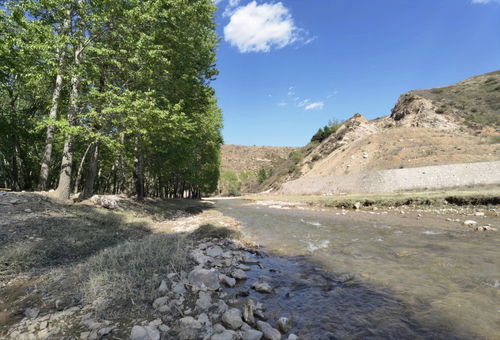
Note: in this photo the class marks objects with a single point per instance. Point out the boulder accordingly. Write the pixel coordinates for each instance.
(284, 324)
(470, 223)
(228, 281)
(292, 337)
(269, 332)
(204, 301)
(188, 328)
(214, 251)
(239, 274)
(262, 287)
(232, 318)
(248, 311)
(203, 279)
(252, 334)
(144, 333)
(225, 335)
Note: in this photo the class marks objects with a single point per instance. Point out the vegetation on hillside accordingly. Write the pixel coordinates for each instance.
(476, 99)
(326, 131)
(109, 96)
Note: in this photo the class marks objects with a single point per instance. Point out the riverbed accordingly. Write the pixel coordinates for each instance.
(350, 277)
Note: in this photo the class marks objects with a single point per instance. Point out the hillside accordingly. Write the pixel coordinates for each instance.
(244, 168)
(452, 124)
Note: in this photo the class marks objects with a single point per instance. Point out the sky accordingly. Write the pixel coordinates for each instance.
(289, 67)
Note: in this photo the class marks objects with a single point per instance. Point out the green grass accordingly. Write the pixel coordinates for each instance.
(476, 99)
(481, 196)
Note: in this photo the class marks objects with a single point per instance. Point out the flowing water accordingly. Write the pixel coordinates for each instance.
(359, 280)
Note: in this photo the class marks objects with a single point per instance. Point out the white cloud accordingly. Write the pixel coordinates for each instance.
(485, 1)
(314, 106)
(282, 104)
(303, 103)
(230, 8)
(260, 28)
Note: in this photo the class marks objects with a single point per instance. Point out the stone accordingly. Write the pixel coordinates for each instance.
(485, 228)
(479, 213)
(105, 331)
(225, 335)
(232, 318)
(218, 328)
(470, 223)
(199, 257)
(262, 287)
(144, 333)
(43, 325)
(248, 311)
(214, 251)
(292, 337)
(189, 328)
(161, 301)
(228, 281)
(269, 332)
(239, 274)
(28, 210)
(204, 301)
(243, 267)
(155, 322)
(31, 312)
(284, 324)
(179, 288)
(203, 279)
(164, 328)
(357, 205)
(163, 289)
(252, 334)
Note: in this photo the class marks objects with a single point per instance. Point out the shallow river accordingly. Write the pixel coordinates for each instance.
(362, 280)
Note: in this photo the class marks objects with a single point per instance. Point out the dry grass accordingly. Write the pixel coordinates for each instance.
(127, 275)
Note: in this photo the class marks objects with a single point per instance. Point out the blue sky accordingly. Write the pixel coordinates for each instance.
(287, 68)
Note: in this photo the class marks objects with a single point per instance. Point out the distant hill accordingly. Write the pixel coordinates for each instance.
(476, 99)
(241, 166)
(459, 123)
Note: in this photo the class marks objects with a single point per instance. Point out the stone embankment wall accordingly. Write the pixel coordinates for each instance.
(386, 181)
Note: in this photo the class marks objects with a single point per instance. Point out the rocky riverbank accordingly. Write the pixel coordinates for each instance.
(169, 270)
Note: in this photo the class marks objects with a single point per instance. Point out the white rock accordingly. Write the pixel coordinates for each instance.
(470, 223)
(252, 334)
(218, 328)
(228, 281)
(292, 337)
(144, 333)
(239, 274)
(31, 312)
(189, 328)
(479, 213)
(262, 287)
(232, 318)
(269, 332)
(163, 289)
(214, 251)
(284, 324)
(225, 335)
(202, 279)
(161, 301)
(204, 301)
(357, 205)
(179, 288)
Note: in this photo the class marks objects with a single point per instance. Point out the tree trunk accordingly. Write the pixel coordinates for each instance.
(80, 169)
(64, 186)
(138, 172)
(88, 189)
(56, 94)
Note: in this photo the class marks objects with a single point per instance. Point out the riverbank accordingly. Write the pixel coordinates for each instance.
(112, 268)
(444, 209)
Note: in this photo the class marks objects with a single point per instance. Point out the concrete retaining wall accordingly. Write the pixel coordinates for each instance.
(385, 181)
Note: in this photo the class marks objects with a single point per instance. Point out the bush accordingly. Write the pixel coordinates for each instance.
(316, 158)
(326, 131)
(440, 110)
(262, 175)
(296, 156)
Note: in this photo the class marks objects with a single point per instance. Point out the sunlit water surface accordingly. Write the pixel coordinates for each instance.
(368, 280)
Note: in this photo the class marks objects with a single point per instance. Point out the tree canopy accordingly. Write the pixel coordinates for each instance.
(109, 96)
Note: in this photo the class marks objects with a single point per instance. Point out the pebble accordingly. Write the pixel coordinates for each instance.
(470, 223)
(232, 318)
(252, 334)
(268, 331)
(284, 324)
(262, 287)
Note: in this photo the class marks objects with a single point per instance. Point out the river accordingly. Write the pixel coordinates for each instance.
(358, 279)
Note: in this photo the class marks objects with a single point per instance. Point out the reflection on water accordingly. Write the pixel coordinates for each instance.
(408, 282)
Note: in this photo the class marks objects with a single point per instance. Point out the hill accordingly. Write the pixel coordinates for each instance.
(244, 168)
(448, 125)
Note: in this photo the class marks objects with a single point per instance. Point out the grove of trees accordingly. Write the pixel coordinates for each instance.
(109, 96)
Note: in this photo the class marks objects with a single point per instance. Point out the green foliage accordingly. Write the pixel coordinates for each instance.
(261, 176)
(296, 156)
(326, 131)
(145, 69)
